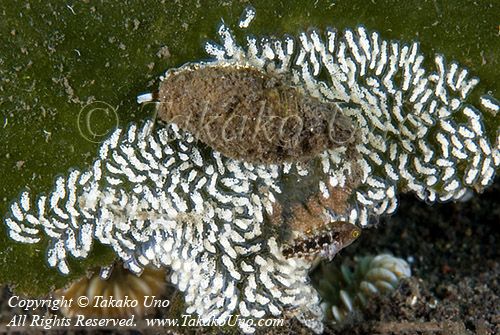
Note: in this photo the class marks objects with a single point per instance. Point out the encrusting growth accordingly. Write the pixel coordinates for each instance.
(161, 196)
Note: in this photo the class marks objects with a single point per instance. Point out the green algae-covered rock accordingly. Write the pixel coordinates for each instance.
(70, 74)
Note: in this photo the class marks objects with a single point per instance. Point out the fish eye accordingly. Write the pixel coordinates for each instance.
(355, 233)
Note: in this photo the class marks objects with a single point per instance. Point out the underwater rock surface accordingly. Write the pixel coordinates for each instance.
(147, 196)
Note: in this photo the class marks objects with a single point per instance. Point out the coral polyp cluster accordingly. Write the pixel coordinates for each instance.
(417, 130)
(174, 203)
(116, 284)
(224, 225)
(346, 290)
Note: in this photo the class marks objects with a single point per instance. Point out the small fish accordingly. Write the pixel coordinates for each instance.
(325, 244)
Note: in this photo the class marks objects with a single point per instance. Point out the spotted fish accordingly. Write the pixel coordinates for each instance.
(326, 243)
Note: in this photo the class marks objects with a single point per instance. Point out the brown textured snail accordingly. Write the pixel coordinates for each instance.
(250, 115)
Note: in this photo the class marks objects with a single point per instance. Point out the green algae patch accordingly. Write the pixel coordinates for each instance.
(56, 60)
